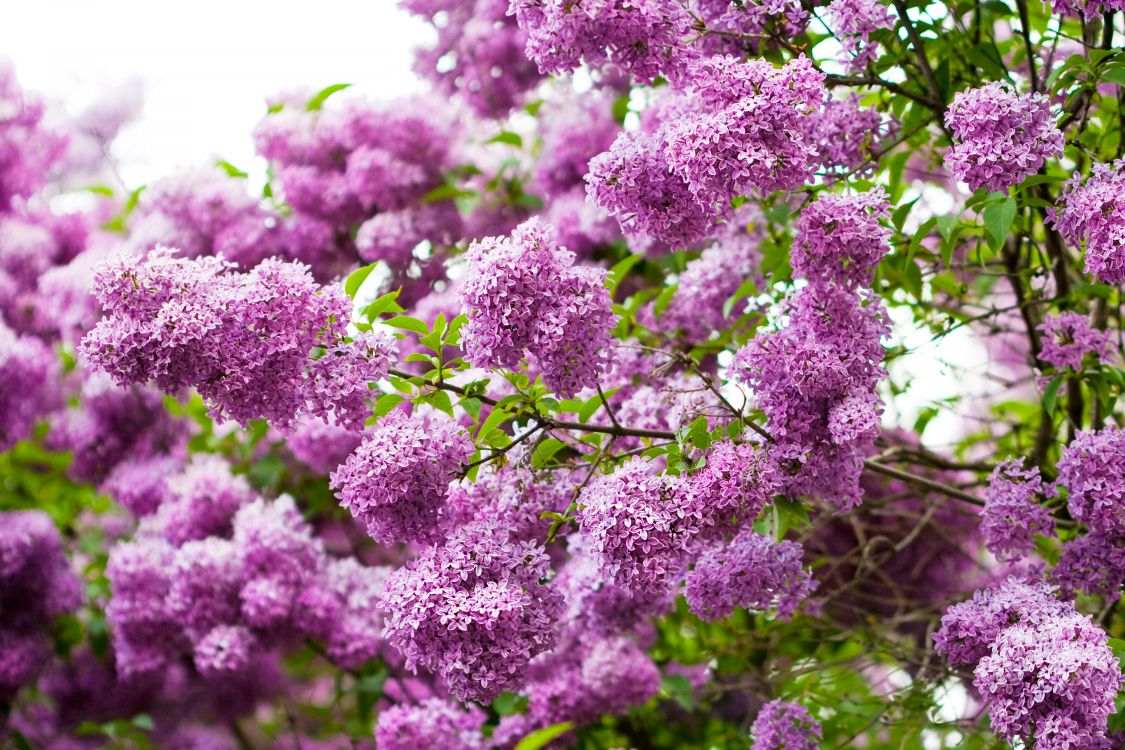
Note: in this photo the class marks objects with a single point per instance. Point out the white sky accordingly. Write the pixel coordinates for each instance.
(206, 66)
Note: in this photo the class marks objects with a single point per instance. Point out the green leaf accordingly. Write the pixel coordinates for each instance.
(230, 169)
(998, 219)
(545, 451)
(321, 96)
(507, 136)
(407, 323)
(539, 738)
(357, 277)
(677, 687)
(745, 289)
(387, 402)
(446, 192)
(1050, 393)
(619, 270)
(388, 303)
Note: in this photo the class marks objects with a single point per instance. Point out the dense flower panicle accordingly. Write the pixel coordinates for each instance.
(734, 486)
(1000, 137)
(1013, 513)
(479, 53)
(782, 725)
(644, 38)
(1092, 468)
(840, 239)
(201, 501)
(225, 650)
(747, 128)
(433, 723)
(393, 236)
(1090, 216)
(573, 130)
(815, 380)
(397, 480)
(205, 212)
(28, 147)
(1055, 682)
(969, 629)
(751, 571)
(339, 380)
(1068, 337)
(114, 425)
(848, 136)
(749, 19)
(1086, 8)
(474, 610)
(523, 294)
(582, 226)
(140, 484)
(342, 608)
(853, 22)
(241, 339)
(30, 371)
(33, 242)
(633, 182)
(639, 524)
(594, 604)
(320, 445)
(711, 279)
(36, 585)
(146, 634)
(1093, 563)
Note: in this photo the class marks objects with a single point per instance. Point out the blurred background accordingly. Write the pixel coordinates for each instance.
(202, 71)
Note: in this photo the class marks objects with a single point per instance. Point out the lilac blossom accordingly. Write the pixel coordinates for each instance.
(1013, 512)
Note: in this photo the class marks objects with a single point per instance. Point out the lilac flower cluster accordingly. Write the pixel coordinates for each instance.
(742, 127)
(644, 38)
(226, 575)
(433, 723)
(732, 488)
(397, 480)
(523, 294)
(473, 610)
(1092, 470)
(840, 239)
(320, 445)
(33, 242)
(36, 585)
(243, 340)
(751, 571)
(1045, 673)
(30, 371)
(737, 25)
(28, 147)
(573, 130)
(815, 380)
(711, 279)
(479, 53)
(1086, 8)
(1013, 513)
(853, 22)
(848, 136)
(114, 426)
(1068, 337)
(355, 175)
(584, 679)
(1000, 137)
(640, 523)
(782, 725)
(1090, 216)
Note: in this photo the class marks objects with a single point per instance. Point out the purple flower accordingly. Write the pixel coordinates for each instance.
(1090, 215)
(433, 723)
(523, 294)
(1068, 337)
(474, 610)
(397, 480)
(999, 137)
(1013, 512)
(30, 371)
(840, 239)
(751, 571)
(1092, 469)
(782, 725)
(852, 22)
